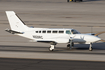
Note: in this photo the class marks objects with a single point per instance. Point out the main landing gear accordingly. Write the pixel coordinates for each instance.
(69, 46)
(52, 46)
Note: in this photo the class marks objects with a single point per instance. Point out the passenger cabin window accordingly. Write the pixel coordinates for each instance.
(36, 31)
(61, 31)
(48, 31)
(54, 31)
(68, 32)
(39, 31)
(43, 31)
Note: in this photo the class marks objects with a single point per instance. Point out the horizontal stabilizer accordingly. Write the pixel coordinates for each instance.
(13, 32)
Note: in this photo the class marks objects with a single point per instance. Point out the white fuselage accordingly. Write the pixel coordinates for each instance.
(58, 35)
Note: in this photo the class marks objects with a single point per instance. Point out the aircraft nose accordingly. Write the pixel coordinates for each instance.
(92, 38)
(95, 39)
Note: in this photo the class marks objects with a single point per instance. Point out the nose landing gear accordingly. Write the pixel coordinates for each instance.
(90, 48)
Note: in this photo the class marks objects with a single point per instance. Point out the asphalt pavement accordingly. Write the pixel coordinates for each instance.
(36, 64)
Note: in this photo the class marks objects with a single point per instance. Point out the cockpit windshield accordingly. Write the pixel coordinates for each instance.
(75, 31)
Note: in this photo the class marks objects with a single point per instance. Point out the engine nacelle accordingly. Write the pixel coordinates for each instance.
(62, 40)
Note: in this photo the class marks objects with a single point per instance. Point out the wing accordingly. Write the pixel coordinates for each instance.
(57, 40)
(47, 41)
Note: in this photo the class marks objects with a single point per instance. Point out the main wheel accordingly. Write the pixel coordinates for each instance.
(68, 46)
(68, 0)
(90, 49)
(80, 0)
(74, 0)
(51, 49)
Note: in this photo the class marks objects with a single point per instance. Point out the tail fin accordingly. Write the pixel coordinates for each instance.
(15, 22)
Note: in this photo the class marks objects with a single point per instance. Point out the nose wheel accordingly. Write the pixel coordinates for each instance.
(90, 48)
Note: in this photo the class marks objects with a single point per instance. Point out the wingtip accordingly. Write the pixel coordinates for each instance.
(9, 11)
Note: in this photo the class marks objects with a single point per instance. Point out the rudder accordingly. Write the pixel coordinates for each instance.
(15, 22)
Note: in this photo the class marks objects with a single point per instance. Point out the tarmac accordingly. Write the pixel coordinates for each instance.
(86, 17)
(37, 64)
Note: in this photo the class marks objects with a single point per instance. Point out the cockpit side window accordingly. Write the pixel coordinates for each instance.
(68, 32)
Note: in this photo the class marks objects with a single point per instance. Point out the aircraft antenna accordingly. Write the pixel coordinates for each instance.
(91, 29)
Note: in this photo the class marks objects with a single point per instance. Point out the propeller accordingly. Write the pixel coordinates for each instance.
(99, 34)
(102, 40)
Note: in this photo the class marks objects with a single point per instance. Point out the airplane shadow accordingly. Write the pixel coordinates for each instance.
(77, 49)
(95, 46)
(90, 0)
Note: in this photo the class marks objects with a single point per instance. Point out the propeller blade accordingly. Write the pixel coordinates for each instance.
(102, 40)
(99, 33)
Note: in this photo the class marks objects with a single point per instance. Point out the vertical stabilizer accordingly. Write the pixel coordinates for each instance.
(15, 22)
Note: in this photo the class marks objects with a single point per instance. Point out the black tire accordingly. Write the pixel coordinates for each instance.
(80, 0)
(51, 50)
(72, 43)
(68, 0)
(75, 0)
(68, 46)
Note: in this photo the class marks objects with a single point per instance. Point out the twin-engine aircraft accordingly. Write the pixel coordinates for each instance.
(49, 35)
